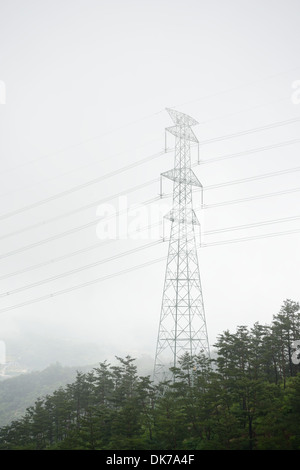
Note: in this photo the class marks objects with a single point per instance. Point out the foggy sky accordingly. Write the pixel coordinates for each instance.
(87, 84)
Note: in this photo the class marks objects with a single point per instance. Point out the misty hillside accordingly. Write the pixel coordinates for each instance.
(18, 393)
(248, 400)
(37, 351)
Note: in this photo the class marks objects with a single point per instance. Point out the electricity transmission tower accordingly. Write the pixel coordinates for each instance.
(182, 327)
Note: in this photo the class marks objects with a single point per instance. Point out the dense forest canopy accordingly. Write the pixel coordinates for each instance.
(247, 397)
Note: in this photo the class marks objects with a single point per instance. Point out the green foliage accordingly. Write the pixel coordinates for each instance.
(18, 393)
(247, 398)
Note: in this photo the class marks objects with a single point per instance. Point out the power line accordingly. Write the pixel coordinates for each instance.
(253, 237)
(229, 90)
(249, 152)
(113, 156)
(252, 178)
(136, 121)
(73, 170)
(251, 108)
(149, 227)
(78, 144)
(82, 208)
(133, 189)
(108, 175)
(82, 285)
(251, 198)
(81, 268)
(133, 268)
(244, 180)
(253, 225)
(62, 234)
(90, 139)
(49, 239)
(84, 185)
(141, 186)
(92, 223)
(71, 254)
(153, 156)
(249, 131)
(55, 260)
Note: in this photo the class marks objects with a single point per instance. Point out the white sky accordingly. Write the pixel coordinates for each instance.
(100, 73)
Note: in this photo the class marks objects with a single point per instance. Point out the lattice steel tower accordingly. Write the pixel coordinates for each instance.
(182, 327)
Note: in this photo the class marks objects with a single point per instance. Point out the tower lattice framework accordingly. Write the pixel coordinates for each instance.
(182, 326)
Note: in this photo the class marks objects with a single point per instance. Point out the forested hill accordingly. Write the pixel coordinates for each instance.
(18, 393)
(247, 398)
